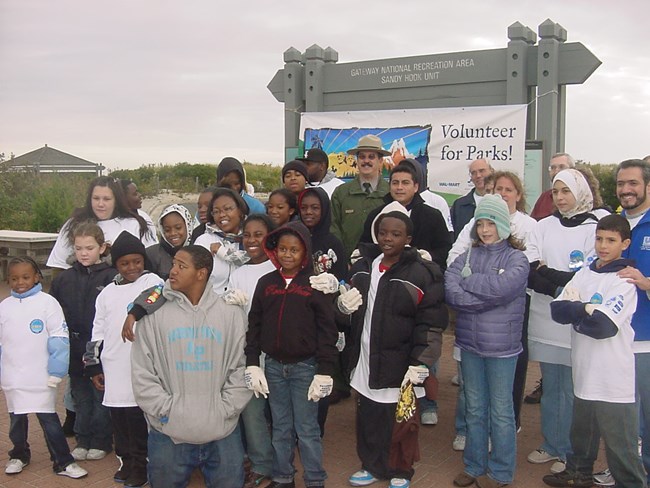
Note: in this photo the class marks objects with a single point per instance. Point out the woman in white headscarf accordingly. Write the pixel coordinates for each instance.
(558, 247)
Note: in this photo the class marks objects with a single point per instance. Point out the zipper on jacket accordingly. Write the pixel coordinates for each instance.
(277, 341)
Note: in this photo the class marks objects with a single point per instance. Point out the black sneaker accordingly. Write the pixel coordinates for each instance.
(567, 478)
(535, 396)
(136, 479)
(121, 475)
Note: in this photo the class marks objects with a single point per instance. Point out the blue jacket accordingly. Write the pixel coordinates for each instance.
(639, 251)
(490, 303)
(462, 212)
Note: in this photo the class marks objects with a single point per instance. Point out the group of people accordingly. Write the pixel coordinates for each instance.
(217, 341)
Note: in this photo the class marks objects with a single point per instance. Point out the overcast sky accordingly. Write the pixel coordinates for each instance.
(125, 83)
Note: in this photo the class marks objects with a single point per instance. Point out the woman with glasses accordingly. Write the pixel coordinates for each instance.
(223, 235)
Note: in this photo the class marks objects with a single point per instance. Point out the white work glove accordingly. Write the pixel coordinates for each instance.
(571, 294)
(324, 282)
(320, 387)
(424, 254)
(340, 342)
(256, 381)
(348, 301)
(590, 307)
(53, 381)
(236, 297)
(416, 375)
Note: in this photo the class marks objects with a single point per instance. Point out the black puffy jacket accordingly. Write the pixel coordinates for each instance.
(408, 316)
(76, 290)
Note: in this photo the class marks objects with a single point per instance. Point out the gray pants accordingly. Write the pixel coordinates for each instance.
(618, 423)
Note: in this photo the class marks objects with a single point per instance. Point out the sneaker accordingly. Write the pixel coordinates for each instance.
(540, 456)
(565, 478)
(535, 396)
(255, 479)
(459, 443)
(73, 470)
(121, 475)
(429, 418)
(558, 466)
(79, 453)
(362, 478)
(604, 478)
(95, 454)
(464, 479)
(14, 466)
(399, 483)
(136, 479)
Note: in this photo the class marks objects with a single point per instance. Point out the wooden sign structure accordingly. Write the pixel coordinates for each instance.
(521, 73)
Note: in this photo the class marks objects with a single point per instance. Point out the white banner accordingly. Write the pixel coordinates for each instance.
(444, 140)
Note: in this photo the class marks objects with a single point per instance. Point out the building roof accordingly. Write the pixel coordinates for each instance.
(48, 160)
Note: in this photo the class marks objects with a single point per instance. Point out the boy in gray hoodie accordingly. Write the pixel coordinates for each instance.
(188, 378)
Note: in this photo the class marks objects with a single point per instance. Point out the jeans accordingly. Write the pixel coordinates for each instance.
(294, 416)
(619, 425)
(54, 438)
(489, 414)
(557, 409)
(460, 422)
(92, 426)
(427, 405)
(258, 437)
(221, 462)
(642, 363)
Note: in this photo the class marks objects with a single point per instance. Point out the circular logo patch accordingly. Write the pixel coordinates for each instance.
(36, 326)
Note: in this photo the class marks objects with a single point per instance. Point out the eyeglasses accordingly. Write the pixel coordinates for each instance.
(224, 210)
(557, 167)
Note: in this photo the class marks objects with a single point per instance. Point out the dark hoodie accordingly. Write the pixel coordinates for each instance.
(291, 322)
(228, 165)
(327, 249)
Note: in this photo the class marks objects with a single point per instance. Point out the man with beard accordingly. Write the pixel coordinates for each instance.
(354, 200)
(632, 185)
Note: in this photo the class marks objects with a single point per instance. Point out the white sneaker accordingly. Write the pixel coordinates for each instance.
(459, 443)
(540, 456)
(604, 478)
(429, 418)
(362, 478)
(95, 454)
(14, 466)
(79, 453)
(558, 467)
(73, 470)
(399, 483)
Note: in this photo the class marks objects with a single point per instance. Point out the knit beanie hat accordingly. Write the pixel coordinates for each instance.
(296, 165)
(126, 243)
(492, 207)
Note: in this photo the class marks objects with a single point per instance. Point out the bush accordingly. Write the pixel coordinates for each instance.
(607, 179)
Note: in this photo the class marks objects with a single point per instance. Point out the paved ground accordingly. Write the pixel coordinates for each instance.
(438, 466)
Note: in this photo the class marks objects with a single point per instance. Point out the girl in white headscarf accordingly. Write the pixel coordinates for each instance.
(175, 226)
(558, 247)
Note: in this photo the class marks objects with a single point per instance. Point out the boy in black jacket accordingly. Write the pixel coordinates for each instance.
(396, 334)
(294, 325)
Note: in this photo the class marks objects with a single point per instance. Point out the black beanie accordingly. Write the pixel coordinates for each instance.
(298, 166)
(126, 243)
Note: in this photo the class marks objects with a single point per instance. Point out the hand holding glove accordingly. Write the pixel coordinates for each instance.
(571, 294)
(416, 375)
(324, 282)
(53, 381)
(236, 297)
(321, 386)
(348, 301)
(256, 381)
